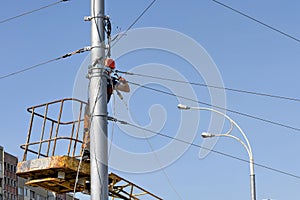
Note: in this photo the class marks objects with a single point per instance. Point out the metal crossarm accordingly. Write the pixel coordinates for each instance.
(120, 188)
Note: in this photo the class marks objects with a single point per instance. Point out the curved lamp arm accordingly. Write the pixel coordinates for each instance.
(209, 135)
(246, 144)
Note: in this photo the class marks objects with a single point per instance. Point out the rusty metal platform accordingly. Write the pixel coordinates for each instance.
(55, 173)
(54, 146)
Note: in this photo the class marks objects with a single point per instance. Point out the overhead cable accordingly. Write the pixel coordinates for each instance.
(258, 21)
(202, 147)
(55, 59)
(32, 11)
(134, 22)
(49, 61)
(218, 107)
(140, 16)
(212, 86)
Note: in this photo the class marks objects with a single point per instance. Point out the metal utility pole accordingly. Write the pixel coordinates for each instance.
(98, 105)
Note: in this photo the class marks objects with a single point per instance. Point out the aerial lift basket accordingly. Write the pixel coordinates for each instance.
(53, 151)
(54, 145)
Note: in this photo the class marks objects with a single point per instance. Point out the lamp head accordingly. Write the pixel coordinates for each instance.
(207, 135)
(183, 107)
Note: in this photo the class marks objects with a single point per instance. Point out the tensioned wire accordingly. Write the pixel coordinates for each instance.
(211, 86)
(215, 106)
(202, 147)
(257, 21)
(32, 11)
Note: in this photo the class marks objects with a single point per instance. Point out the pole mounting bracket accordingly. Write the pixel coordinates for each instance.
(89, 18)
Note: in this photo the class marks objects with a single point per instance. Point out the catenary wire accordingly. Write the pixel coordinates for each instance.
(28, 68)
(133, 23)
(55, 59)
(140, 16)
(229, 110)
(32, 11)
(44, 63)
(202, 147)
(258, 21)
(212, 86)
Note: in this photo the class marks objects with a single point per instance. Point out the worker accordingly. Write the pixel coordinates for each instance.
(116, 83)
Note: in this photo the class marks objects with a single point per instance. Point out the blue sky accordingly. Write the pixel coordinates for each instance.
(248, 56)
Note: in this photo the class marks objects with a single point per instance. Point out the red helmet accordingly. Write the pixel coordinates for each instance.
(110, 63)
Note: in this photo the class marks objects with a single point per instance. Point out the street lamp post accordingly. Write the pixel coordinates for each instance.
(246, 144)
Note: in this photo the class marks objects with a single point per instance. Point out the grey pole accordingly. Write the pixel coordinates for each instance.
(98, 105)
(252, 180)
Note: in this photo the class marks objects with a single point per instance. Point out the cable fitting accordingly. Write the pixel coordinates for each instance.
(87, 48)
(89, 18)
(122, 72)
(77, 51)
(116, 120)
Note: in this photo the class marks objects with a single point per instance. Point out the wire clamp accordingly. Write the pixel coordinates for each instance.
(89, 48)
(89, 18)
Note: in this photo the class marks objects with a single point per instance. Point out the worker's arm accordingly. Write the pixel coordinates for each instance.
(122, 85)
